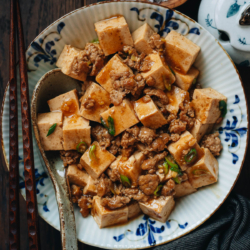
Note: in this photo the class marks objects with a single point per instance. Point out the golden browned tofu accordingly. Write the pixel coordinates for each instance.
(98, 163)
(123, 115)
(180, 149)
(205, 171)
(141, 38)
(70, 62)
(90, 188)
(113, 34)
(199, 129)
(94, 102)
(44, 122)
(158, 209)
(149, 114)
(115, 64)
(176, 97)
(105, 217)
(185, 81)
(183, 189)
(159, 71)
(134, 209)
(76, 129)
(77, 176)
(180, 51)
(206, 105)
(67, 103)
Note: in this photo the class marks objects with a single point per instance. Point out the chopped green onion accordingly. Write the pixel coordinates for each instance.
(92, 152)
(125, 181)
(157, 190)
(171, 70)
(51, 129)
(200, 172)
(81, 147)
(176, 180)
(191, 155)
(111, 128)
(95, 41)
(173, 165)
(104, 124)
(223, 108)
(166, 83)
(194, 81)
(165, 164)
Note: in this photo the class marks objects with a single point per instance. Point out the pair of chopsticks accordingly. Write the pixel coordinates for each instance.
(29, 173)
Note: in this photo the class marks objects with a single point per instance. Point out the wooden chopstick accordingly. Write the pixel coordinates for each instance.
(14, 227)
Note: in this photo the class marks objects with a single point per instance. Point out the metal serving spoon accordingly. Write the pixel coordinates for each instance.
(52, 84)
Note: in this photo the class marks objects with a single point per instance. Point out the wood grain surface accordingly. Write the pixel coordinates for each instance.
(37, 15)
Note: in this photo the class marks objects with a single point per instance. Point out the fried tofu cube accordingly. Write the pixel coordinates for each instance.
(105, 217)
(180, 51)
(181, 148)
(148, 113)
(44, 122)
(90, 188)
(206, 105)
(183, 189)
(76, 129)
(95, 166)
(115, 64)
(70, 62)
(94, 102)
(141, 38)
(176, 97)
(159, 71)
(123, 115)
(134, 210)
(186, 81)
(131, 168)
(199, 129)
(158, 209)
(205, 171)
(77, 176)
(68, 103)
(113, 34)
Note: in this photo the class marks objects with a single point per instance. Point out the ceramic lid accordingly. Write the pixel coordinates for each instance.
(233, 17)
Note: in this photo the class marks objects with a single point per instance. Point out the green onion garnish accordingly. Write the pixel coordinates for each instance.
(223, 108)
(194, 81)
(157, 190)
(191, 155)
(51, 129)
(110, 127)
(173, 165)
(200, 172)
(95, 41)
(81, 147)
(92, 152)
(165, 165)
(125, 181)
(176, 180)
(171, 70)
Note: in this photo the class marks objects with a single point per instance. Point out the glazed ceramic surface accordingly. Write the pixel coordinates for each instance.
(224, 15)
(217, 71)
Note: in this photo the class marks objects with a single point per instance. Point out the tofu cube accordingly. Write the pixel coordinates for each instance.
(114, 64)
(90, 188)
(185, 81)
(199, 129)
(158, 209)
(67, 103)
(70, 62)
(180, 51)
(176, 97)
(100, 97)
(131, 168)
(113, 34)
(206, 105)
(183, 189)
(141, 38)
(205, 171)
(105, 217)
(123, 115)
(96, 166)
(178, 150)
(134, 210)
(77, 176)
(148, 113)
(159, 71)
(76, 129)
(44, 122)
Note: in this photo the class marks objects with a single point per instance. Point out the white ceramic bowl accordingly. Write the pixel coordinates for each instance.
(217, 71)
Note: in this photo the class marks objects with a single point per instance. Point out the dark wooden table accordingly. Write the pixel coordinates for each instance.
(37, 15)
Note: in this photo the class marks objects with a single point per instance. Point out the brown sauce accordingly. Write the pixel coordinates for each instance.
(69, 107)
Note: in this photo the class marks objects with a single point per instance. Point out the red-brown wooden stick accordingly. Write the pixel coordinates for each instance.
(29, 169)
(14, 227)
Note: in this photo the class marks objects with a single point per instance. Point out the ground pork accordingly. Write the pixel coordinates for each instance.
(88, 103)
(158, 93)
(104, 186)
(85, 203)
(69, 157)
(146, 135)
(187, 115)
(129, 137)
(177, 126)
(148, 183)
(101, 135)
(174, 137)
(151, 163)
(135, 194)
(115, 146)
(116, 97)
(156, 42)
(76, 193)
(115, 202)
(159, 144)
(113, 174)
(168, 188)
(213, 143)
(150, 81)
